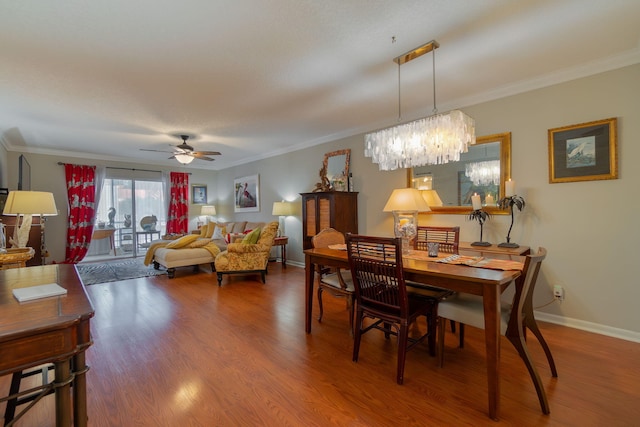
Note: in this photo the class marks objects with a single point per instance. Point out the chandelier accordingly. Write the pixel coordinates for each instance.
(483, 173)
(433, 140)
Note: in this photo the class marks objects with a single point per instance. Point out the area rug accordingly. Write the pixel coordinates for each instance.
(103, 272)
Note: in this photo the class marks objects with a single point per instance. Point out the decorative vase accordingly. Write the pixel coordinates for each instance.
(405, 226)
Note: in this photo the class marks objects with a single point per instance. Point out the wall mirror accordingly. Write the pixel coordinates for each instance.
(336, 166)
(483, 170)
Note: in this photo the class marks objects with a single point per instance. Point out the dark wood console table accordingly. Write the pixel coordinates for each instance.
(48, 330)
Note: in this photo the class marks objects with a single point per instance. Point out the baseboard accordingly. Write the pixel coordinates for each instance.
(589, 326)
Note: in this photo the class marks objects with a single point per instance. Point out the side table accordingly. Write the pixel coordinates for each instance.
(16, 258)
(282, 242)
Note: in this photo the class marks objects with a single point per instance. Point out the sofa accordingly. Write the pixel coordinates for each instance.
(200, 247)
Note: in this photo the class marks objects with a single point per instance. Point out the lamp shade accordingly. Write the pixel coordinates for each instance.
(431, 197)
(282, 208)
(406, 199)
(185, 159)
(30, 202)
(208, 210)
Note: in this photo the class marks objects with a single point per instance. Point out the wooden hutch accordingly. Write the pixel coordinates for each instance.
(336, 209)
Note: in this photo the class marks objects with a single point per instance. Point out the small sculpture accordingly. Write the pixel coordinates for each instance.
(112, 217)
(324, 184)
(127, 220)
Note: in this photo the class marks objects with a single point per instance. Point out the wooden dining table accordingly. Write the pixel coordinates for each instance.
(485, 282)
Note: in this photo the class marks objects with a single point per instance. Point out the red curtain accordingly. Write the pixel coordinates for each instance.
(81, 193)
(178, 218)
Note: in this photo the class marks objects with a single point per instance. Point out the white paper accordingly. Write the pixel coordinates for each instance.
(40, 291)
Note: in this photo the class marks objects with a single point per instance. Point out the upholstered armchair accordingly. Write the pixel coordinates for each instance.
(245, 257)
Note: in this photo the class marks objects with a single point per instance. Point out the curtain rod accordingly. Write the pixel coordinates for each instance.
(126, 169)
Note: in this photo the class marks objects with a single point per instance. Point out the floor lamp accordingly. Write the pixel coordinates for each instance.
(27, 204)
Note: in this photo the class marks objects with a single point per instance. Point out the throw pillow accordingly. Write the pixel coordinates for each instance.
(183, 241)
(219, 232)
(252, 238)
(199, 243)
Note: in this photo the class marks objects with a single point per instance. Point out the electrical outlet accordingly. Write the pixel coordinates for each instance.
(558, 292)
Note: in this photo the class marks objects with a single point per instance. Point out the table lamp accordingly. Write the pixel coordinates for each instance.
(282, 209)
(208, 211)
(405, 203)
(27, 204)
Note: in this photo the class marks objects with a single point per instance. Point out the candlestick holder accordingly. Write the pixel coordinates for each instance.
(510, 202)
(480, 216)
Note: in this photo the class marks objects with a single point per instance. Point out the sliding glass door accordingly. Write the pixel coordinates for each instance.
(131, 213)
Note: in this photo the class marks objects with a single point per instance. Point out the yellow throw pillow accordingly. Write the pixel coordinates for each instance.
(199, 243)
(252, 238)
(183, 241)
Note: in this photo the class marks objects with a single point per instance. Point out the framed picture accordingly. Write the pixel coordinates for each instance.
(4, 193)
(584, 152)
(24, 174)
(247, 193)
(199, 194)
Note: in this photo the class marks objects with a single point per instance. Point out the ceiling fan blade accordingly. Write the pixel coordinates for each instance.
(206, 153)
(157, 151)
(201, 157)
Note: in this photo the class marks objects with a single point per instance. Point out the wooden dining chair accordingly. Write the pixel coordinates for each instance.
(448, 239)
(335, 281)
(381, 294)
(468, 309)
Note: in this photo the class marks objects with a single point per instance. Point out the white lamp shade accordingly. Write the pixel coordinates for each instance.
(406, 199)
(208, 210)
(185, 159)
(282, 208)
(431, 197)
(30, 202)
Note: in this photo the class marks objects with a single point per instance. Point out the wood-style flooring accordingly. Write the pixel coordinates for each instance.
(185, 352)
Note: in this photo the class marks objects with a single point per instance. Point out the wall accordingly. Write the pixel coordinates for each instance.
(587, 227)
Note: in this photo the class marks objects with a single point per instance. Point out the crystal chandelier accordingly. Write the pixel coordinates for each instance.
(436, 139)
(483, 173)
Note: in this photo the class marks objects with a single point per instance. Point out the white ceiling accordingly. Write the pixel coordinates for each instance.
(256, 78)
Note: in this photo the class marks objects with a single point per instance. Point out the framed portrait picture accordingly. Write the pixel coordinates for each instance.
(247, 193)
(583, 152)
(199, 194)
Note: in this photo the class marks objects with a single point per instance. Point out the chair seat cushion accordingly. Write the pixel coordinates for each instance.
(332, 280)
(468, 309)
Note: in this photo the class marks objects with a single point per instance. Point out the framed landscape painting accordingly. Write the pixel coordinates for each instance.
(247, 193)
(583, 152)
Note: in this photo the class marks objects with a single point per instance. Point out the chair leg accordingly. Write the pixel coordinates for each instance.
(533, 327)
(461, 335)
(453, 326)
(351, 304)
(321, 311)
(432, 323)
(441, 325)
(10, 409)
(403, 335)
(358, 335)
(521, 346)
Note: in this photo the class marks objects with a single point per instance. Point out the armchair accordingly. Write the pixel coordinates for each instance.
(247, 258)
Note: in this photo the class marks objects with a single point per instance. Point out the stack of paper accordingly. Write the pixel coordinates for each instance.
(40, 291)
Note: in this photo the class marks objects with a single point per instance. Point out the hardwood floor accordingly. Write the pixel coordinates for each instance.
(185, 352)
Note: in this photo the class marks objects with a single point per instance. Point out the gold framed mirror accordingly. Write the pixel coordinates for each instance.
(336, 166)
(484, 169)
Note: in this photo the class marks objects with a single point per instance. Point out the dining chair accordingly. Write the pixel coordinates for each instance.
(338, 283)
(448, 239)
(381, 294)
(468, 309)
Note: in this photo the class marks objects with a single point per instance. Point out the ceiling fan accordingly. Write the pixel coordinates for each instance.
(184, 153)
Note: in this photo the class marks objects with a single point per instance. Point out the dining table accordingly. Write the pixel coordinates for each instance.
(486, 282)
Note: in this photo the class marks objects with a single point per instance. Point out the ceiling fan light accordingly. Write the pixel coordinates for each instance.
(184, 159)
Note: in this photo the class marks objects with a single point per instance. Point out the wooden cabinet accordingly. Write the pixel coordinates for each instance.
(336, 209)
(35, 237)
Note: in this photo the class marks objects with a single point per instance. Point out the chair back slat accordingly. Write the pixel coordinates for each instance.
(326, 237)
(376, 267)
(448, 238)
